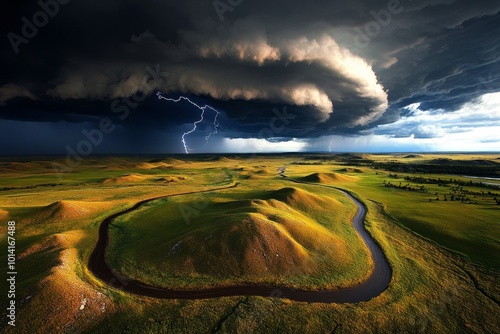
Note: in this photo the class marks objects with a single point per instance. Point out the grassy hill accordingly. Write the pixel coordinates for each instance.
(270, 238)
(327, 178)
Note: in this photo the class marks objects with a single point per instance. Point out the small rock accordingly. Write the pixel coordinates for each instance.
(84, 302)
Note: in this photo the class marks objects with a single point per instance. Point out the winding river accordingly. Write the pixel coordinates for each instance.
(376, 283)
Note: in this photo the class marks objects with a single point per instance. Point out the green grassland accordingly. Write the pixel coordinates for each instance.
(284, 236)
(444, 254)
(471, 229)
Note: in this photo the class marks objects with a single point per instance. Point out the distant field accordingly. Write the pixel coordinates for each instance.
(470, 227)
(437, 226)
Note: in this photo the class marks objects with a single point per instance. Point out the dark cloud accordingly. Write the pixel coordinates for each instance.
(338, 68)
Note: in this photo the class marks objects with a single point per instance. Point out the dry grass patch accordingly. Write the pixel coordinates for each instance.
(62, 211)
(327, 178)
(127, 178)
(68, 303)
(56, 241)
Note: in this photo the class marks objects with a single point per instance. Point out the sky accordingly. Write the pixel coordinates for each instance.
(160, 76)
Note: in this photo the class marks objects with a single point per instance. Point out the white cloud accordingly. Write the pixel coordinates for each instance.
(475, 126)
(427, 131)
(353, 69)
(255, 145)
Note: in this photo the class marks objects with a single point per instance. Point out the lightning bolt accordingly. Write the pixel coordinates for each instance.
(216, 124)
(187, 149)
(330, 146)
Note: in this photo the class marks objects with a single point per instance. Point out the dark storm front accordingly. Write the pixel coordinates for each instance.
(93, 138)
(30, 28)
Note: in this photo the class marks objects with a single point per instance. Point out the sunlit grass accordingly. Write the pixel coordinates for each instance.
(432, 290)
(284, 236)
(470, 229)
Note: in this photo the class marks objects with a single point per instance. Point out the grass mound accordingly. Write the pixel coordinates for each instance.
(275, 236)
(62, 211)
(82, 302)
(170, 179)
(171, 161)
(56, 241)
(127, 178)
(158, 164)
(262, 171)
(299, 198)
(163, 165)
(250, 176)
(350, 170)
(146, 165)
(252, 173)
(327, 178)
(220, 159)
(253, 245)
(257, 238)
(26, 167)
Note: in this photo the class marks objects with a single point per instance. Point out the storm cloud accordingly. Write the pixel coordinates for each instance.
(343, 69)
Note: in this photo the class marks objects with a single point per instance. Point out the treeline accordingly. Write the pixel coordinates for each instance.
(464, 192)
(407, 186)
(462, 195)
(444, 182)
(40, 185)
(308, 163)
(485, 170)
(457, 192)
(357, 162)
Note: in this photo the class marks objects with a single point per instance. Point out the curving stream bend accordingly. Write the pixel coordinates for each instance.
(375, 284)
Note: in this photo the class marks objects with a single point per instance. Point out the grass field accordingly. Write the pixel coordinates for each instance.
(471, 229)
(444, 254)
(283, 235)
